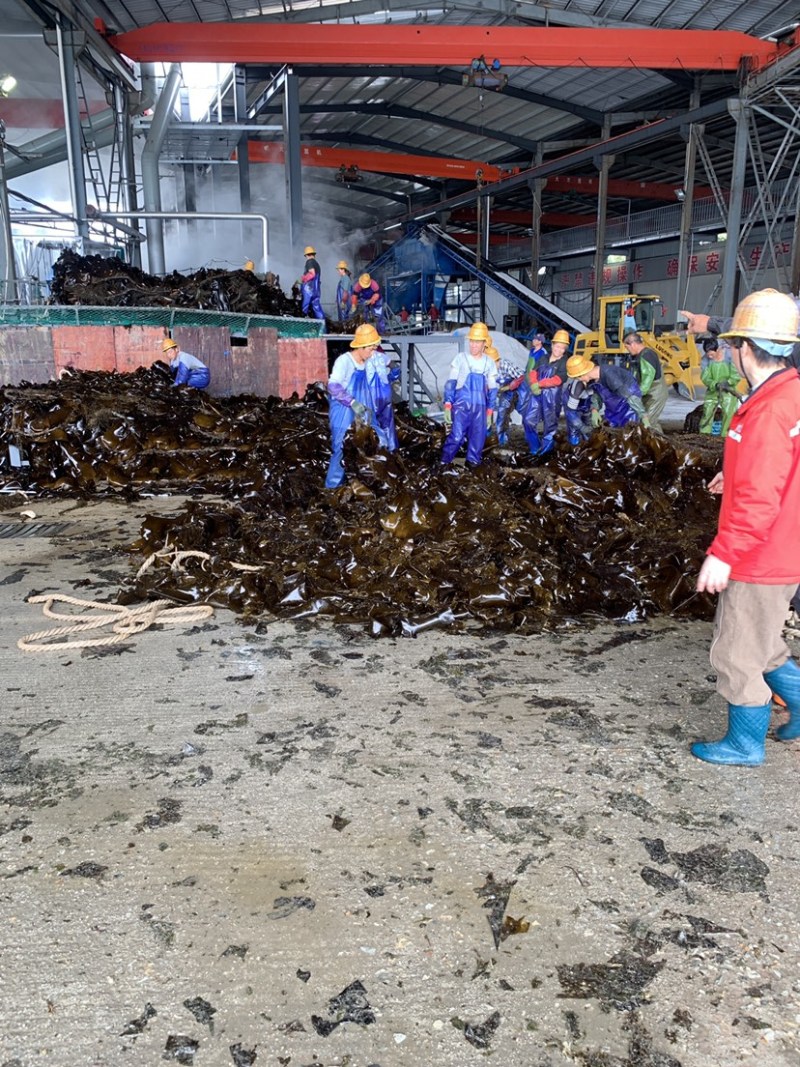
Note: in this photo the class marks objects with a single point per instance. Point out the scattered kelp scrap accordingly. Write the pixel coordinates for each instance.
(103, 281)
(349, 1006)
(616, 528)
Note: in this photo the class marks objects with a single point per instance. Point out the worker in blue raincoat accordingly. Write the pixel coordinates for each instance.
(186, 369)
(470, 398)
(509, 397)
(615, 394)
(311, 284)
(367, 299)
(353, 392)
(577, 403)
(379, 386)
(545, 378)
(344, 290)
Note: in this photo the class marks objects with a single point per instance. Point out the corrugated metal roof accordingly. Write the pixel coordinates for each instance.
(373, 111)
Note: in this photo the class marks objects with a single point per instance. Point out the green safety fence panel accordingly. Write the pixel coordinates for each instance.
(81, 315)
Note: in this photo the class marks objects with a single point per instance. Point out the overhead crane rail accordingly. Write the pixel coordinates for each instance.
(512, 46)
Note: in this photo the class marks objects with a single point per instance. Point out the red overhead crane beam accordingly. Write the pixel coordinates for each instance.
(457, 46)
(463, 169)
(619, 187)
(385, 162)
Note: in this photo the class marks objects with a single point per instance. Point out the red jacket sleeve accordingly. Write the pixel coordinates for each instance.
(756, 469)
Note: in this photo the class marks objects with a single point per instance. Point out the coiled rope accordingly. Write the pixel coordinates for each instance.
(125, 622)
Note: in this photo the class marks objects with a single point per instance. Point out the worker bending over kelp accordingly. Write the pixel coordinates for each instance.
(360, 388)
(186, 369)
(614, 395)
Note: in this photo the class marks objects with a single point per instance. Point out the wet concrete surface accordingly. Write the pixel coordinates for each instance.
(292, 844)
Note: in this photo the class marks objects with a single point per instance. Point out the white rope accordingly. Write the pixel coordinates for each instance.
(125, 622)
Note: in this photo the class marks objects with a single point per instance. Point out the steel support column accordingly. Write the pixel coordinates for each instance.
(72, 126)
(151, 182)
(8, 266)
(687, 205)
(795, 268)
(242, 156)
(123, 135)
(537, 187)
(484, 245)
(604, 165)
(740, 115)
(291, 143)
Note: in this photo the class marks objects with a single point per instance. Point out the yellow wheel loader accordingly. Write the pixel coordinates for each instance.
(679, 355)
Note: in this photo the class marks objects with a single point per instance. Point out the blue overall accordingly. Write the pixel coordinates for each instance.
(471, 389)
(508, 400)
(188, 370)
(311, 290)
(577, 409)
(370, 313)
(544, 408)
(343, 292)
(379, 387)
(614, 386)
(348, 382)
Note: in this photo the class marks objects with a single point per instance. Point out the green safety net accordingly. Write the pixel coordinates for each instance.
(81, 315)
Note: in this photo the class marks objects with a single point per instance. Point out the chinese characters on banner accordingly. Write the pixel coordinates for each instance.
(659, 267)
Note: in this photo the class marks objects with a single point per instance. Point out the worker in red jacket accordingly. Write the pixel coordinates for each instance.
(753, 562)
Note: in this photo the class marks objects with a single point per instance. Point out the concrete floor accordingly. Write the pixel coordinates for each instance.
(211, 835)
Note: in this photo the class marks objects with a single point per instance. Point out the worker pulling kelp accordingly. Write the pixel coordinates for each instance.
(186, 369)
(359, 388)
(613, 392)
(366, 298)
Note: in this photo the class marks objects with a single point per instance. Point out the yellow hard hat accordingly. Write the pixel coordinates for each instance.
(364, 280)
(492, 353)
(365, 336)
(309, 250)
(479, 331)
(249, 265)
(561, 337)
(167, 344)
(578, 365)
(766, 314)
(341, 265)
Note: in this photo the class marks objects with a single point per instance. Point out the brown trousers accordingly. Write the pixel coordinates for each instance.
(748, 640)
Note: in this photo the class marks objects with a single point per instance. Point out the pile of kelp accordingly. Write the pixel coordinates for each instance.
(616, 528)
(103, 281)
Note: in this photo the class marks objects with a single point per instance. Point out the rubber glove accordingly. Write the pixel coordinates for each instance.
(646, 422)
(535, 388)
(489, 419)
(597, 418)
(359, 409)
(448, 417)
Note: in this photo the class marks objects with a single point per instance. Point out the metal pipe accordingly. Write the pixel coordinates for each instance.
(151, 188)
(72, 125)
(238, 216)
(687, 204)
(741, 115)
(292, 169)
(10, 293)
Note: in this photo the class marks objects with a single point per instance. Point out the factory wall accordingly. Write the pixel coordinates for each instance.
(263, 364)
